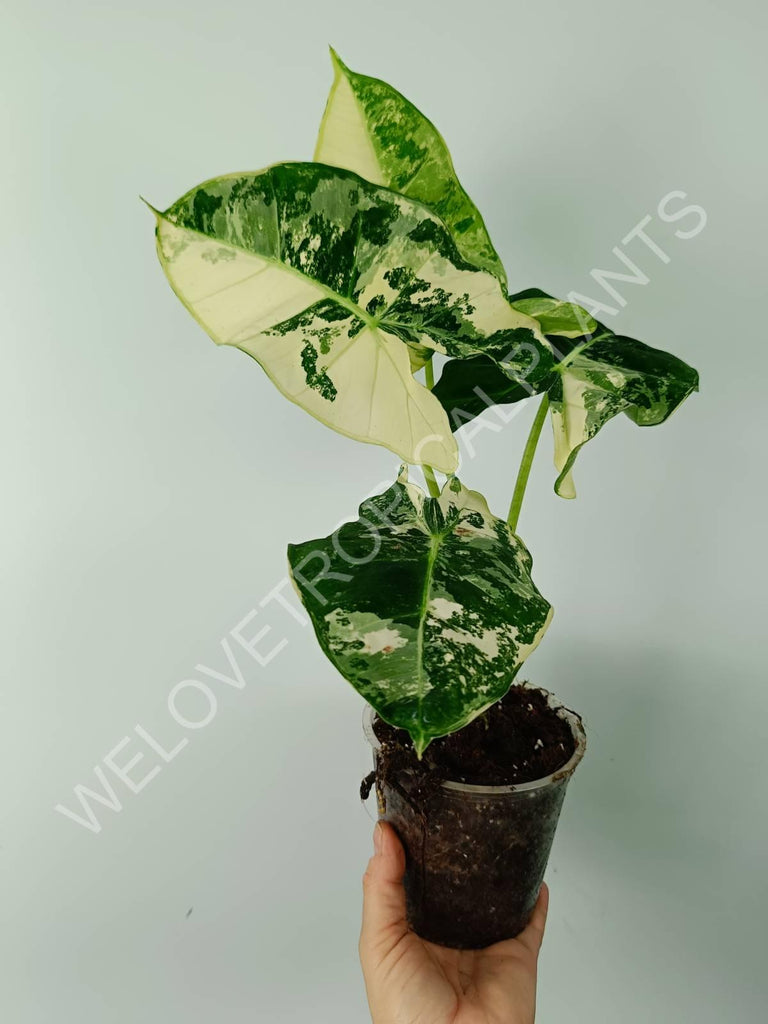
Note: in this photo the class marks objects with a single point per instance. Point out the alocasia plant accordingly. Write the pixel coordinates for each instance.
(342, 278)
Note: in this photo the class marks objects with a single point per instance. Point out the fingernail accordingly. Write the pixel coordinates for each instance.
(378, 835)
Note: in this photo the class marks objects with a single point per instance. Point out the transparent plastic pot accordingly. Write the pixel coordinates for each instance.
(475, 855)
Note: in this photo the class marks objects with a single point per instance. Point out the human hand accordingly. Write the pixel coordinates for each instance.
(411, 981)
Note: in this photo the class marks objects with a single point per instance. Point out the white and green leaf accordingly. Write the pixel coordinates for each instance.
(425, 605)
(331, 283)
(372, 129)
(564, 319)
(610, 375)
(467, 387)
(599, 375)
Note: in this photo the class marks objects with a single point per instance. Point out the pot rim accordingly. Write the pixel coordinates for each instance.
(560, 775)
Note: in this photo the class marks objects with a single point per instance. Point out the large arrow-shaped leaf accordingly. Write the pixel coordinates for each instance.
(327, 281)
(373, 129)
(426, 605)
(598, 376)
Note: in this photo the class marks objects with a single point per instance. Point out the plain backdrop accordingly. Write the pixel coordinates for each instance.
(151, 482)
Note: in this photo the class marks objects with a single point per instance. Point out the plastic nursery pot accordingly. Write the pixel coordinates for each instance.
(475, 855)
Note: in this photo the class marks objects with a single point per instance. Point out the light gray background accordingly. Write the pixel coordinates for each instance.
(151, 482)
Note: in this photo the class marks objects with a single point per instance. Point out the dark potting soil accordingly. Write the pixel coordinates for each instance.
(518, 739)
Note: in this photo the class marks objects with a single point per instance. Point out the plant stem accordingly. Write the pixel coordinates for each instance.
(429, 473)
(432, 485)
(525, 466)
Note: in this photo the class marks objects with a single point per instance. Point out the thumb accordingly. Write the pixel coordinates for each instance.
(384, 921)
(533, 935)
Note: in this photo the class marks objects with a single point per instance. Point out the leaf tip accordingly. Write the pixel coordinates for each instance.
(149, 205)
(339, 67)
(420, 744)
(565, 489)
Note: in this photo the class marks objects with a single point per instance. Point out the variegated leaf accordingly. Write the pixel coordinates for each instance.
(426, 605)
(562, 319)
(468, 387)
(330, 283)
(611, 375)
(371, 128)
(598, 375)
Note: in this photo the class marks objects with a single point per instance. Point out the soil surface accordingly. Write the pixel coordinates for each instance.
(518, 739)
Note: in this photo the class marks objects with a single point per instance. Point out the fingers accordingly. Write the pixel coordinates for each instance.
(384, 921)
(533, 934)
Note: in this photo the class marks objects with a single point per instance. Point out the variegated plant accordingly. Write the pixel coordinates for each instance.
(342, 278)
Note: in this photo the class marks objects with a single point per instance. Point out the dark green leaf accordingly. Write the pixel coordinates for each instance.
(426, 605)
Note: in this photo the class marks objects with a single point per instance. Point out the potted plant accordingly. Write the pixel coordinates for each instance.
(344, 278)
